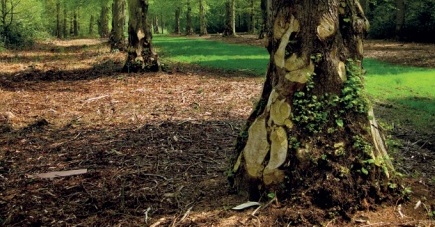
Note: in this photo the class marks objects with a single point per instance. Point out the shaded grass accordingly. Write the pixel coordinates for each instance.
(408, 92)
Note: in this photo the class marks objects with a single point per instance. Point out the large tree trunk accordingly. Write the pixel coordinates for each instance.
(140, 54)
(400, 18)
(230, 18)
(312, 136)
(189, 27)
(177, 29)
(202, 18)
(117, 39)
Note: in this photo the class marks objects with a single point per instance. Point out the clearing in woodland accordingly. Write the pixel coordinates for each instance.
(155, 145)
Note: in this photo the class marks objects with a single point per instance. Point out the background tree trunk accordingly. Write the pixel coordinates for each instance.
(230, 18)
(76, 23)
(265, 10)
(189, 27)
(177, 28)
(251, 17)
(202, 19)
(117, 39)
(156, 25)
(58, 23)
(312, 137)
(65, 22)
(103, 22)
(91, 25)
(400, 18)
(140, 54)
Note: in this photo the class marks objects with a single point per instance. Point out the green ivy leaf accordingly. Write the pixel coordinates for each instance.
(340, 123)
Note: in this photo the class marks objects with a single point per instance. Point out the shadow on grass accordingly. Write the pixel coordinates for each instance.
(166, 166)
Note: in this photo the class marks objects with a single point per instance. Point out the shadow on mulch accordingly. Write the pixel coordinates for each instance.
(162, 167)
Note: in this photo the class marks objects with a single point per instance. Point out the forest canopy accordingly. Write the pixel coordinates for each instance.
(23, 21)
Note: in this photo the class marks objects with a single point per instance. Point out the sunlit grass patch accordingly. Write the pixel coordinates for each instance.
(213, 54)
(408, 92)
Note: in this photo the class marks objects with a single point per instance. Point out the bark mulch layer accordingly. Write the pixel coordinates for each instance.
(155, 147)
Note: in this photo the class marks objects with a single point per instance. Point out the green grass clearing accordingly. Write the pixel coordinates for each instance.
(409, 92)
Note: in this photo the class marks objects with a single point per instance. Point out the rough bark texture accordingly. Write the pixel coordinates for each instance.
(312, 136)
(202, 19)
(117, 39)
(177, 28)
(140, 54)
(230, 18)
(189, 28)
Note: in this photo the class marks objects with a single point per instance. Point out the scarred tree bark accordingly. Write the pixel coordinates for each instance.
(140, 54)
(313, 135)
(117, 39)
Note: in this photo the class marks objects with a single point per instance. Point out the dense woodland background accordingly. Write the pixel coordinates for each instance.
(23, 21)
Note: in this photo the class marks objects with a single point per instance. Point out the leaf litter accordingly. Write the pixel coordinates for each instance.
(155, 146)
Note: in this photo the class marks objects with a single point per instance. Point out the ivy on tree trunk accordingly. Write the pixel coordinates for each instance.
(312, 136)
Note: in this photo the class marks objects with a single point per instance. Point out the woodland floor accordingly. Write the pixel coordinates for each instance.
(155, 145)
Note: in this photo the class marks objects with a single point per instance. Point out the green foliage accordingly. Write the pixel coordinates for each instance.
(353, 97)
(313, 112)
(419, 20)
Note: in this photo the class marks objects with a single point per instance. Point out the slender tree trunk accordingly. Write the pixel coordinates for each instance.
(162, 23)
(103, 22)
(265, 9)
(189, 27)
(58, 23)
(202, 18)
(251, 17)
(400, 18)
(177, 29)
(76, 23)
(91, 25)
(71, 25)
(65, 22)
(140, 54)
(156, 25)
(117, 39)
(313, 137)
(230, 18)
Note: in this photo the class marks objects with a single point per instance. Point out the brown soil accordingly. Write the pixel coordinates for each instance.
(155, 146)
